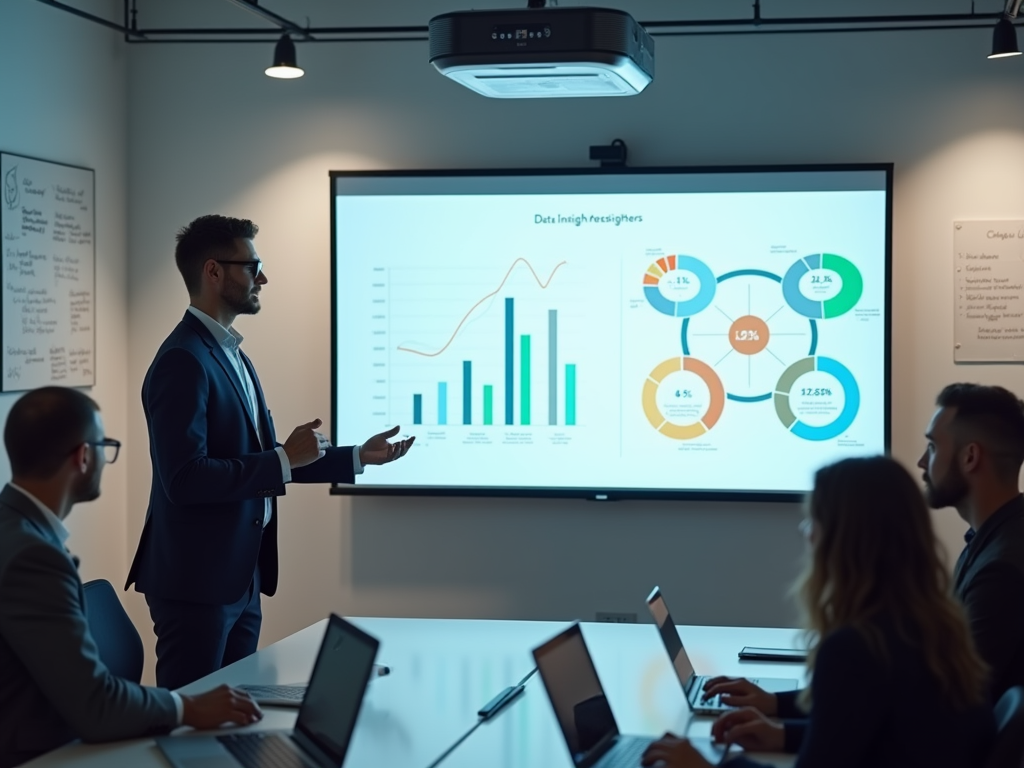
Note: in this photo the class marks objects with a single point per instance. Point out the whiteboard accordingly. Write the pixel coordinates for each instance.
(47, 225)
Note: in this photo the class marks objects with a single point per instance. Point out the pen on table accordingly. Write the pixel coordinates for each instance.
(380, 670)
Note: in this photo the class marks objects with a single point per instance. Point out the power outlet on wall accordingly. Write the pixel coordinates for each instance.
(611, 617)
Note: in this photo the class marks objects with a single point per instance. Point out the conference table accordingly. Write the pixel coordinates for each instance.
(444, 670)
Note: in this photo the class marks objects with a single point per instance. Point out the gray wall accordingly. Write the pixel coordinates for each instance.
(63, 97)
(209, 132)
(199, 128)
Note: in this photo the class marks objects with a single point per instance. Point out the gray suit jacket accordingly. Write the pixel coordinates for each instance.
(53, 686)
(989, 580)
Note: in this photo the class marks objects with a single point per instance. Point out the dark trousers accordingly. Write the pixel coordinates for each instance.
(195, 639)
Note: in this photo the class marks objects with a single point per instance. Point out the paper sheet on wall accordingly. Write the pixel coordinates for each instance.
(47, 223)
(988, 291)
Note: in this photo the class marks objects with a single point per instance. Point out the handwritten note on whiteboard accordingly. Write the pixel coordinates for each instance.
(988, 289)
(47, 223)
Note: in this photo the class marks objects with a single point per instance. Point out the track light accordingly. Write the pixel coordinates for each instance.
(1004, 36)
(1004, 40)
(284, 66)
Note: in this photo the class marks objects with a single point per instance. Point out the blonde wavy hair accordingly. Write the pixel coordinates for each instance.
(874, 563)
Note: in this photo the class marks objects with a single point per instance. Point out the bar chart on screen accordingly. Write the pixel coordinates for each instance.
(495, 347)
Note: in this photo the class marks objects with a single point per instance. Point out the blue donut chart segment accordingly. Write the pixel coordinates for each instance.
(791, 288)
(837, 426)
(698, 303)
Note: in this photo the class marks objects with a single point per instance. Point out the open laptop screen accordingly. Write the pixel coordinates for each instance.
(670, 637)
(336, 688)
(576, 694)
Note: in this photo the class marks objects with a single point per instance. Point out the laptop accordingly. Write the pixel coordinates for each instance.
(692, 683)
(291, 695)
(582, 709)
(325, 721)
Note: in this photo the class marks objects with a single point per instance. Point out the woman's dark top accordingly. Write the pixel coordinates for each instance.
(872, 714)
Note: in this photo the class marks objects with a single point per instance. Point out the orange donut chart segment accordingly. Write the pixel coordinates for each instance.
(715, 405)
(706, 372)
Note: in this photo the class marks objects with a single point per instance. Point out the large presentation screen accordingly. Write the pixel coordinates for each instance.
(604, 333)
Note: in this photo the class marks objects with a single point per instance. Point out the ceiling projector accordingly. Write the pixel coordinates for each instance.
(543, 52)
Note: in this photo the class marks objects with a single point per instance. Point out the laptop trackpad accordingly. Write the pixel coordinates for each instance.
(711, 751)
(197, 752)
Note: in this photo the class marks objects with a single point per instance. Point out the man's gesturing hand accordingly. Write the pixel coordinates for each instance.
(377, 450)
(305, 445)
(220, 706)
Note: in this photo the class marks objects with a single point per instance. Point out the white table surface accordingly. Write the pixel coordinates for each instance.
(444, 670)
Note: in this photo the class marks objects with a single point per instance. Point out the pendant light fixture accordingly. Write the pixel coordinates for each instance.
(285, 66)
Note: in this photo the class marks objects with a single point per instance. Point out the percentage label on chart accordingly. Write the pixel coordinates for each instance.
(684, 393)
(821, 278)
(681, 280)
(746, 335)
(815, 391)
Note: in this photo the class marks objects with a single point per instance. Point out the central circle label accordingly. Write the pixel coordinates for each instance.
(748, 335)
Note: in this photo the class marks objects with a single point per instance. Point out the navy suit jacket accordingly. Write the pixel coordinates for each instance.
(204, 534)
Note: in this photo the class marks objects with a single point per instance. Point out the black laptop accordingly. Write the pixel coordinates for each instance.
(692, 683)
(324, 725)
(582, 709)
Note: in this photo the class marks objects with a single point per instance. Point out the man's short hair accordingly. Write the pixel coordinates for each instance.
(207, 238)
(44, 427)
(992, 416)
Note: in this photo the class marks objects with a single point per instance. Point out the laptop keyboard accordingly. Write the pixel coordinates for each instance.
(714, 702)
(625, 754)
(283, 692)
(262, 750)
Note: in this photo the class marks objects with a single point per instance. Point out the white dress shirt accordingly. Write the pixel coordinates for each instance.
(230, 340)
(63, 534)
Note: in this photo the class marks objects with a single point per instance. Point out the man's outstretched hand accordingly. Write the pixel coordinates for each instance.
(377, 450)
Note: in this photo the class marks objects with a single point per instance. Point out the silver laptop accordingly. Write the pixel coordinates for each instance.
(324, 725)
(582, 709)
(693, 684)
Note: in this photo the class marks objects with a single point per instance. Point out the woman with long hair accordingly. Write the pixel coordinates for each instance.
(894, 677)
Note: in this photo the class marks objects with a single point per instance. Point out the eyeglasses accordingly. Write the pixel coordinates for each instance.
(254, 266)
(111, 448)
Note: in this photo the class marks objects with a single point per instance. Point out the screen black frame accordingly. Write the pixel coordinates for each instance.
(611, 493)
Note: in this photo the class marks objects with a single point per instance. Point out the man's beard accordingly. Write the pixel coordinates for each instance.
(89, 487)
(239, 300)
(950, 493)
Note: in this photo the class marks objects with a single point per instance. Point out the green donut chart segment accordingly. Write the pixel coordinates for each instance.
(840, 304)
(840, 423)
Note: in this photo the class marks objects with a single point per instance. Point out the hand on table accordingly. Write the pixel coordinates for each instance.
(305, 445)
(672, 752)
(218, 707)
(740, 692)
(377, 450)
(750, 729)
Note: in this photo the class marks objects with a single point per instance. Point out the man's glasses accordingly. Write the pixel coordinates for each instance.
(111, 448)
(254, 266)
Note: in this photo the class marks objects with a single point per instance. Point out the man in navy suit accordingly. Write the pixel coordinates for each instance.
(209, 545)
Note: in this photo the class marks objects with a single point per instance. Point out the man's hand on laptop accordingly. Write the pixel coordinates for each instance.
(222, 705)
(740, 692)
(750, 729)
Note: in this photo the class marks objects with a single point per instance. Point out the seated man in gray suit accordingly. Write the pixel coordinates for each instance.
(53, 686)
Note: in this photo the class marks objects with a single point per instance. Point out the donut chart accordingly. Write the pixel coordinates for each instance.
(852, 286)
(783, 397)
(688, 299)
(751, 336)
(712, 411)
